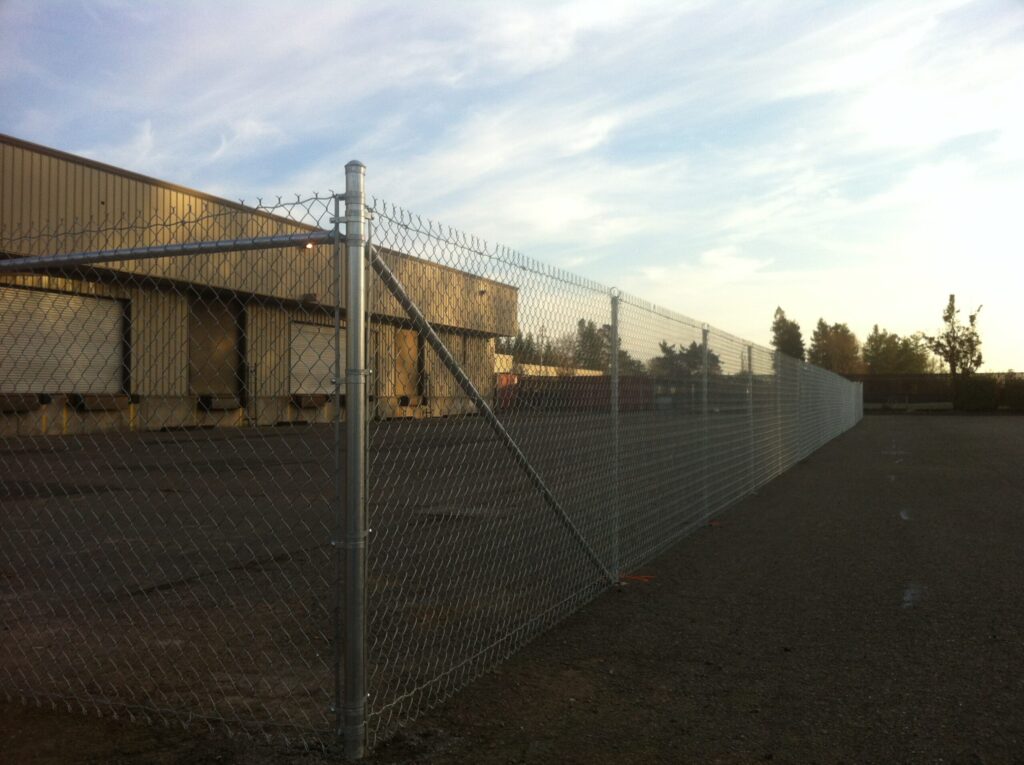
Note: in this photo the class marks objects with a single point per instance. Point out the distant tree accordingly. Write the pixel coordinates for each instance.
(524, 349)
(680, 363)
(695, 359)
(588, 348)
(593, 345)
(591, 348)
(886, 353)
(507, 345)
(958, 344)
(562, 351)
(630, 367)
(786, 336)
(670, 364)
(834, 347)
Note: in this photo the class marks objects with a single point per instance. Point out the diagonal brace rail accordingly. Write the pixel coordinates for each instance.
(419, 321)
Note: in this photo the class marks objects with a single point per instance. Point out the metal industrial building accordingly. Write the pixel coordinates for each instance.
(205, 340)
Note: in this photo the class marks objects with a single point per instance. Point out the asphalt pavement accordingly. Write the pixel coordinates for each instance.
(866, 606)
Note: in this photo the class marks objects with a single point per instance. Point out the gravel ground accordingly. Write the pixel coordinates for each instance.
(864, 607)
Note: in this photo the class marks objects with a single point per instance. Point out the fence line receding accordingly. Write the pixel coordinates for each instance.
(229, 498)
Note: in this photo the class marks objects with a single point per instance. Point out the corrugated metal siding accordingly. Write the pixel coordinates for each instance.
(446, 397)
(158, 330)
(450, 298)
(7, 191)
(313, 358)
(159, 347)
(267, 346)
(214, 360)
(69, 286)
(57, 343)
(475, 355)
(46, 194)
(381, 341)
(480, 363)
(406, 363)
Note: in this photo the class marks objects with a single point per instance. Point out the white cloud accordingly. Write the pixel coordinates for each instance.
(841, 160)
(139, 151)
(244, 136)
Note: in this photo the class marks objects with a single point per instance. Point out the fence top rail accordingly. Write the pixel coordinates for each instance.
(665, 313)
(278, 241)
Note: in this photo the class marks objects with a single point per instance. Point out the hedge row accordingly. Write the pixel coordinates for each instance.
(987, 394)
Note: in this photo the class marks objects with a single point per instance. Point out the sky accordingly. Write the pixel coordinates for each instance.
(852, 161)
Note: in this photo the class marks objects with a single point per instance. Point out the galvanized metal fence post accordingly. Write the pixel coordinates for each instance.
(338, 528)
(355, 472)
(800, 438)
(616, 520)
(750, 412)
(705, 355)
(780, 442)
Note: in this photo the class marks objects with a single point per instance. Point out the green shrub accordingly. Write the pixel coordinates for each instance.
(976, 394)
(1013, 393)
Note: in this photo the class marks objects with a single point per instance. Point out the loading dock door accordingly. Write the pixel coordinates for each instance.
(57, 343)
(312, 351)
(214, 357)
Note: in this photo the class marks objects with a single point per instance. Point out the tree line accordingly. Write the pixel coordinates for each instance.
(589, 347)
(956, 348)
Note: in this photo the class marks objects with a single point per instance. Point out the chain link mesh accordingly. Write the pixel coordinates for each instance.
(167, 472)
(469, 555)
(171, 464)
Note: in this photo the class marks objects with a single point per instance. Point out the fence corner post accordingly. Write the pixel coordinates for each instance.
(616, 493)
(354, 681)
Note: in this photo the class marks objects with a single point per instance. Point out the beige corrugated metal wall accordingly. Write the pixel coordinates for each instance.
(481, 364)
(60, 343)
(62, 284)
(159, 333)
(449, 297)
(159, 330)
(379, 358)
(476, 355)
(267, 329)
(446, 397)
(406, 365)
(214, 348)
(393, 357)
(47, 194)
(46, 191)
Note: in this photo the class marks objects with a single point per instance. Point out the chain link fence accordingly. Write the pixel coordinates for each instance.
(617, 427)
(257, 473)
(166, 531)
